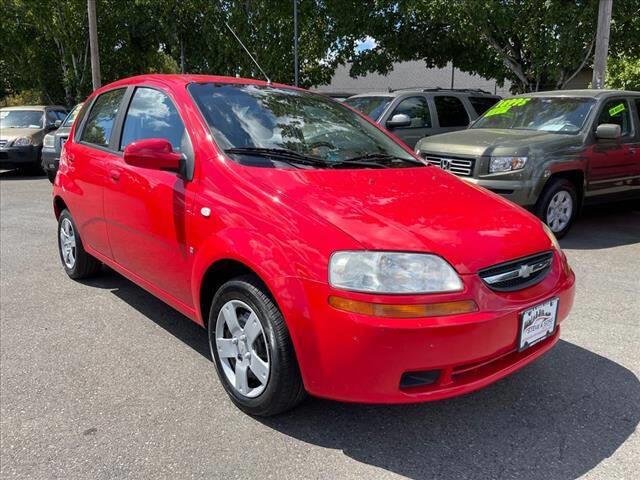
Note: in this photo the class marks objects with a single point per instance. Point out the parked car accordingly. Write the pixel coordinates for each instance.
(321, 255)
(53, 142)
(413, 114)
(550, 151)
(21, 132)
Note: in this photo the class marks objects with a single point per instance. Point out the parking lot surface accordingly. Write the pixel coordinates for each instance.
(101, 380)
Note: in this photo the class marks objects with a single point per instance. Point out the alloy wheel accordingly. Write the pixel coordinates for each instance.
(559, 211)
(242, 348)
(68, 243)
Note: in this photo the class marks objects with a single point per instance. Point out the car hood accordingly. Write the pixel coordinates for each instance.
(13, 133)
(420, 209)
(492, 141)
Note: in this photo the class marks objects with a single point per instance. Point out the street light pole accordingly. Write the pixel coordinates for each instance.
(93, 44)
(295, 42)
(602, 44)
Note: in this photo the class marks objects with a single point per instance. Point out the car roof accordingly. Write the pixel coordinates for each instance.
(36, 107)
(419, 91)
(185, 79)
(587, 93)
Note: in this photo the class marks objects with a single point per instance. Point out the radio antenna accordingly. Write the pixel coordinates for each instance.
(243, 46)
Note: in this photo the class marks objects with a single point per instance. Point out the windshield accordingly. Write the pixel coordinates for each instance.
(545, 114)
(21, 118)
(372, 107)
(72, 116)
(259, 124)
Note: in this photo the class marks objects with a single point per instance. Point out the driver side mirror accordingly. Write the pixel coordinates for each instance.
(155, 154)
(399, 120)
(608, 131)
(54, 125)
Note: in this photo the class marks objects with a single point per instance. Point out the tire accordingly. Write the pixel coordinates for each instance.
(80, 264)
(281, 388)
(51, 175)
(557, 207)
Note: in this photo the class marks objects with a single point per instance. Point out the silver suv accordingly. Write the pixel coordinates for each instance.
(413, 114)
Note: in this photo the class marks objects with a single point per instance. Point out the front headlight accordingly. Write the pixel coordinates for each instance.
(506, 164)
(22, 142)
(49, 140)
(392, 272)
(552, 237)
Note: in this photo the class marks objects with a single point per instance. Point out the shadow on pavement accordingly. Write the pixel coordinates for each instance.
(605, 226)
(154, 309)
(19, 175)
(557, 418)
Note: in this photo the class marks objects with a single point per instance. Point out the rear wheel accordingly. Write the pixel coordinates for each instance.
(76, 261)
(51, 175)
(252, 349)
(558, 206)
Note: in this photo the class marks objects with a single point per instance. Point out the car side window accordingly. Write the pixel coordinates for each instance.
(482, 104)
(638, 112)
(101, 118)
(616, 111)
(451, 112)
(52, 117)
(417, 109)
(152, 114)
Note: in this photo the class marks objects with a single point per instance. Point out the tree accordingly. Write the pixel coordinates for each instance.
(533, 43)
(623, 73)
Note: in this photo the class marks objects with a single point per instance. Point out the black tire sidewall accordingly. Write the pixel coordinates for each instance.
(549, 192)
(243, 291)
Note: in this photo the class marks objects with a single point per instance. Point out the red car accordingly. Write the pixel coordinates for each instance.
(319, 252)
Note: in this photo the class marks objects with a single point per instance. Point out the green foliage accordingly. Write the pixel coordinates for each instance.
(47, 47)
(535, 44)
(623, 73)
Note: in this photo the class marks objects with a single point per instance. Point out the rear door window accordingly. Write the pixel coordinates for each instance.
(101, 118)
(417, 109)
(152, 114)
(616, 111)
(482, 104)
(451, 112)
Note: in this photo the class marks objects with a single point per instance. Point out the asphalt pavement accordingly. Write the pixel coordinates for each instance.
(100, 380)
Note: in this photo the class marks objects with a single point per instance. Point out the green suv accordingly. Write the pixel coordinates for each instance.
(550, 152)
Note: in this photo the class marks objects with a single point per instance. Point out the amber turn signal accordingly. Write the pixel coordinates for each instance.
(403, 311)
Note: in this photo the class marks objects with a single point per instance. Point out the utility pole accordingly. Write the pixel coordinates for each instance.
(453, 72)
(295, 42)
(602, 44)
(93, 44)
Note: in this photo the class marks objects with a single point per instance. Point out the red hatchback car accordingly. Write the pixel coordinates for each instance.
(321, 254)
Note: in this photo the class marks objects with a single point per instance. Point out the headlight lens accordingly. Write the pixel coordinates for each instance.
(506, 164)
(22, 141)
(552, 237)
(392, 272)
(49, 140)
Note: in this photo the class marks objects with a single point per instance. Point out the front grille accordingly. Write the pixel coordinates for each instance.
(517, 274)
(3, 143)
(460, 166)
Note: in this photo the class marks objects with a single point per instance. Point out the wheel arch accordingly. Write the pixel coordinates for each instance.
(58, 206)
(576, 177)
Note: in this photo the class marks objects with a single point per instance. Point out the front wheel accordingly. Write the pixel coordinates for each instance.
(557, 206)
(252, 349)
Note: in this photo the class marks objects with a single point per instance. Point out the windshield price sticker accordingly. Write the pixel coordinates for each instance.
(503, 106)
(616, 110)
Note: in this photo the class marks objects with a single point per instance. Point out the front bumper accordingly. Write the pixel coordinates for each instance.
(521, 192)
(15, 157)
(358, 358)
(50, 159)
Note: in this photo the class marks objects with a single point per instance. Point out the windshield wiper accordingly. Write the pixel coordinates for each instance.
(381, 159)
(284, 154)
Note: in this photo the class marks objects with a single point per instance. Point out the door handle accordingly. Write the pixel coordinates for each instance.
(115, 175)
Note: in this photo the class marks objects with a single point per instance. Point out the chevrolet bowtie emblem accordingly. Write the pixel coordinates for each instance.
(525, 271)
